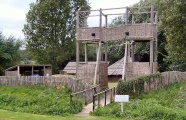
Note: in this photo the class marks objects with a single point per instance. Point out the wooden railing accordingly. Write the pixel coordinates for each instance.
(86, 95)
(104, 98)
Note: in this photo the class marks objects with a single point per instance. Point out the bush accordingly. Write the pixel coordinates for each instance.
(135, 86)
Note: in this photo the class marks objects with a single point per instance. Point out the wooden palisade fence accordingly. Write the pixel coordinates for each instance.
(148, 83)
(74, 84)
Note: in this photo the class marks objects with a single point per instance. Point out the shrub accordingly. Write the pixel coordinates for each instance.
(135, 86)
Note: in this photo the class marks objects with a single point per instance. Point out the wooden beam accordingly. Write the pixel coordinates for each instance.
(135, 13)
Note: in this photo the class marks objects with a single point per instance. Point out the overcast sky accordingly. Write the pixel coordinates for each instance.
(13, 13)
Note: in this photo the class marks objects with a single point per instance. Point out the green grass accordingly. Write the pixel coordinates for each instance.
(8, 115)
(38, 100)
(168, 103)
(112, 84)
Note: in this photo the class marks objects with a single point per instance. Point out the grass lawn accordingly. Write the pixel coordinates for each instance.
(112, 84)
(8, 115)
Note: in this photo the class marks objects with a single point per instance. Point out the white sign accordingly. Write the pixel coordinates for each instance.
(121, 98)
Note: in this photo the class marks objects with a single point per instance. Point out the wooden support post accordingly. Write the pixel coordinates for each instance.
(106, 21)
(85, 97)
(97, 73)
(77, 43)
(44, 71)
(132, 52)
(152, 42)
(94, 99)
(114, 92)
(126, 16)
(77, 19)
(132, 19)
(124, 62)
(97, 64)
(151, 55)
(152, 15)
(105, 98)
(128, 53)
(18, 70)
(77, 57)
(98, 100)
(86, 55)
(111, 95)
(71, 99)
(32, 70)
(106, 44)
(156, 35)
(106, 51)
(85, 21)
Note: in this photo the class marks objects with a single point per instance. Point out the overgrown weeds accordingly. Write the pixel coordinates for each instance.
(168, 104)
(38, 100)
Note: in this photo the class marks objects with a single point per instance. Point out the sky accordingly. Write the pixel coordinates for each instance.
(13, 13)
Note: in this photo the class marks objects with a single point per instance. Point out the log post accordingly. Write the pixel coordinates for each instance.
(97, 68)
(98, 100)
(105, 98)
(86, 55)
(124, 62)
(106, 43)
(94, 98)
(71, 96)
(77, 44)
(126, 16)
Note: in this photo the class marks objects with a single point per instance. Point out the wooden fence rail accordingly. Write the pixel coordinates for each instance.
(86, 95)
(74, 84)
(103, 98)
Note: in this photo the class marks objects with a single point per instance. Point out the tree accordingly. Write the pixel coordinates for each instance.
(50, 30)
(9, 54)
(173, 20)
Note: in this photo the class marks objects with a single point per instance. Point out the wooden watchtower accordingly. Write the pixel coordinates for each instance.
(96, 72)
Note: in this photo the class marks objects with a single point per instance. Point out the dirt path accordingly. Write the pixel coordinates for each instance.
(87, 109)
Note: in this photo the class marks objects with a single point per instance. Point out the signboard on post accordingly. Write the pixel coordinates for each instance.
(121, 99)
